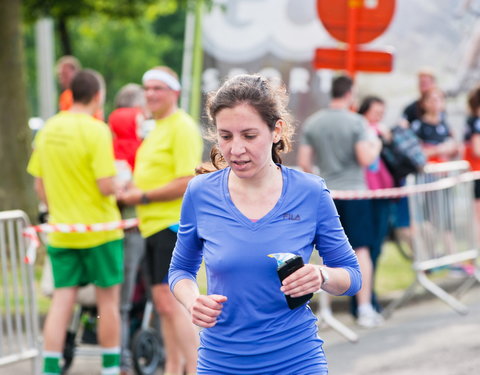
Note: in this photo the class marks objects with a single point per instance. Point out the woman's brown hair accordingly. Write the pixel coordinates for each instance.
(427, 95)
(268, 100)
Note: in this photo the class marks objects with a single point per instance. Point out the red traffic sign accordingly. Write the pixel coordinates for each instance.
(367, 61)
(372, 18)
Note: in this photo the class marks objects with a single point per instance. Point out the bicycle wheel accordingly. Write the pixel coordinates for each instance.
(147, 352)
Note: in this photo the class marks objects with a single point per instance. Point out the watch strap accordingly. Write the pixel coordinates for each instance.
(325, 275)
(144, 199)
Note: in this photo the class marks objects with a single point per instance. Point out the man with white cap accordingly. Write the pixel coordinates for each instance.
(165, 163)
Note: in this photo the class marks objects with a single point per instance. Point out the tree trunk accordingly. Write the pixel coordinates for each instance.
(64, 37)
(15, 185)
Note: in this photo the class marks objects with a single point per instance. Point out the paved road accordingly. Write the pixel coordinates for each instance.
(426, 337)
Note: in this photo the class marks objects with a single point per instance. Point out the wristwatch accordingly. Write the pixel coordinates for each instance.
(144, 199)
(325, 276)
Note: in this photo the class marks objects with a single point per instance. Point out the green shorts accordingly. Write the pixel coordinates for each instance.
(99, 265)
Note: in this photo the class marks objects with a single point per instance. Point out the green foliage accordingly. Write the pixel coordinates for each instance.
(120, 49)
(117, 9)
(172, 25)
(57, 9)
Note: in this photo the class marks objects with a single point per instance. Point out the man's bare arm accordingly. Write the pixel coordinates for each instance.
(40, 190)
(305, 158)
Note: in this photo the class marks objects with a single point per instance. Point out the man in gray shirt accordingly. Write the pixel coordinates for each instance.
(340, 144)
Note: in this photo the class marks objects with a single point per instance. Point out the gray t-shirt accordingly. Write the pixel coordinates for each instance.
(333, 133)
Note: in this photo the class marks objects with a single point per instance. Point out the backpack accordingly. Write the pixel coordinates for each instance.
(403, 154)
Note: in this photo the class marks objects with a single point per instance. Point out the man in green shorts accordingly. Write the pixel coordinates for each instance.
(74, 170)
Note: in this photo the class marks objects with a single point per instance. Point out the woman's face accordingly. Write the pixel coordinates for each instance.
(434, 102)
(374, 115)
(245, 140)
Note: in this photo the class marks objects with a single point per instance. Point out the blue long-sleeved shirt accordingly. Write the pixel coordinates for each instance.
(256, 332)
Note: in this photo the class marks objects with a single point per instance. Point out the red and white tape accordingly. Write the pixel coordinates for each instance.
(444, 183)
(404, 191)
(31, 232)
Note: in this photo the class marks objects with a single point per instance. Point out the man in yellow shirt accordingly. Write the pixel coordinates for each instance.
(164, 165)
(74, 171)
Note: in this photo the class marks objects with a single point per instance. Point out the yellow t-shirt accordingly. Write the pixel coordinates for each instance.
(171, 150)
(71, 152)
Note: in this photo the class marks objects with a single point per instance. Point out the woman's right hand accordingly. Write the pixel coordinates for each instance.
(206, 309)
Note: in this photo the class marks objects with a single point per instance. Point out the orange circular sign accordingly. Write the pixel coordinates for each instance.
(373, 17)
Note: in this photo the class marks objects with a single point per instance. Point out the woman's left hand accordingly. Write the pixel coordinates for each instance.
(306, 279)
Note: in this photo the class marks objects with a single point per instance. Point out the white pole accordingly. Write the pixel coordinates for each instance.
(45, 67)
(187, 59)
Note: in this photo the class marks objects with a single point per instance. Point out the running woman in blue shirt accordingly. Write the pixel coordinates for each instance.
(233, 218)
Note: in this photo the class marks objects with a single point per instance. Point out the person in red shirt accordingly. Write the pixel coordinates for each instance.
(126, 121)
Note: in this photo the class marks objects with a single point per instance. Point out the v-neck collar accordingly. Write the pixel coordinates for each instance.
(253, 225)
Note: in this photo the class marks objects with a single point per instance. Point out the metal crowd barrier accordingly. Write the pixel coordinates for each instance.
(324, 312)
(19, 328)
(443, 227)
(325, 316)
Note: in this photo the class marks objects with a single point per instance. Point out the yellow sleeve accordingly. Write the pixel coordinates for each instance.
(187, 149)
